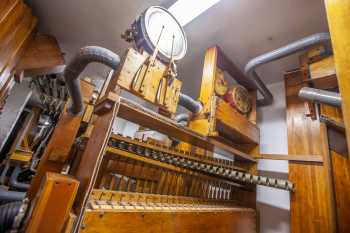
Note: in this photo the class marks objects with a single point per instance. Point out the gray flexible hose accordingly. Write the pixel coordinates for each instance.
(190, 104)
(10, 196)
(320, 96)
(86, 55)
(8, 213)
(13, 183)
(182, 117)
(279, 53)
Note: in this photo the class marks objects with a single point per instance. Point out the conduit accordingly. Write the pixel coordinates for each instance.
(14, 183)
(72, 71)
(190, 104)
(274, 55)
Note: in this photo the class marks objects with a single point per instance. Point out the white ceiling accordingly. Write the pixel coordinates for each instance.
(242, 28)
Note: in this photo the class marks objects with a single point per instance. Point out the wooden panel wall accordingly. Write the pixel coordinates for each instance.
(16, 28)
(311, 205)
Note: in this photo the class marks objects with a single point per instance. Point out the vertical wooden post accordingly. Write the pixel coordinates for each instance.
(208, 79)
(338, 14)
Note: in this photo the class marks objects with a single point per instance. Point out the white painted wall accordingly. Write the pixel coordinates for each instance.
(274, 204)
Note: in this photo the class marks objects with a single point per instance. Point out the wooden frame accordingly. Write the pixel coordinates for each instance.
(221, 119)
(107, 109)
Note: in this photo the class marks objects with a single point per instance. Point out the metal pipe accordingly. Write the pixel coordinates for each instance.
(321, 96)
(279, 53)
(86, 55)
(190, 104)
(13, 183)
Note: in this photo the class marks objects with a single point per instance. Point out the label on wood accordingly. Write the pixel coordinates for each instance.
(151, 81)
(172, 95)
(132, 65)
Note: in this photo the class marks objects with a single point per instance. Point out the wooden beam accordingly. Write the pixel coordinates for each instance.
(293, 158)
(136, 113)
(339, 21)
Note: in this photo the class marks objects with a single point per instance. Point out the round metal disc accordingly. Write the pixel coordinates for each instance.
(162, 26)
(220, 83)
(239, 98)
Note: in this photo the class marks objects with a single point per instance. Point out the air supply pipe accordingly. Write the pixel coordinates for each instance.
(279, 53)
(14, 183)
(320, 96)
(10, 196)
(190, 104)
(86, 55)
(182, 117)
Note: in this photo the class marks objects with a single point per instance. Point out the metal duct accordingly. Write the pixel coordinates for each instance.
(279, 53)
(321, 96)
(86, 55)
(190, 104)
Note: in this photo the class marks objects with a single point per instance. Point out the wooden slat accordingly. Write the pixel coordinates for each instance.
(114, 151)
(11, 22)
(208, 80)
(19, 39)
(339, 21)
(311, 205)
(293, 158)
(6, 7)
(235, 221)
(15, 38)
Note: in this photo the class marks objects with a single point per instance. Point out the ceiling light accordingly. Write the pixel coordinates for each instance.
(186, 10)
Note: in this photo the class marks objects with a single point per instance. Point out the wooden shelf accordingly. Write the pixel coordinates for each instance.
(136, 113)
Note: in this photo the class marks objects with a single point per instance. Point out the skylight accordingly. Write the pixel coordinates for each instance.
(187, 10)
